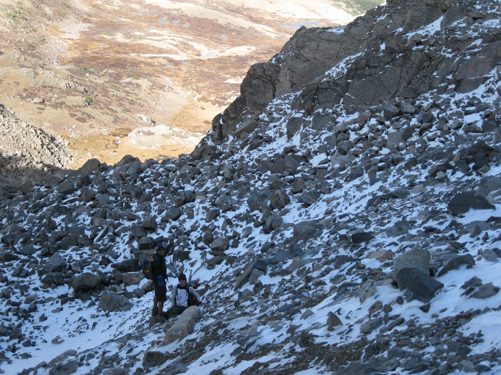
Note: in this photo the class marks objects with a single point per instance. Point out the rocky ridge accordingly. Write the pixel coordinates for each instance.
(28, 153)
(350, 226)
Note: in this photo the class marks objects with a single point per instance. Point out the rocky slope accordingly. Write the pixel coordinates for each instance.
(27, 153)
(93, 72)
(342, 217)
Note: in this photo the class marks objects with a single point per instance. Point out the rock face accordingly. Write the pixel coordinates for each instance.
(350, 226)
(311, 53)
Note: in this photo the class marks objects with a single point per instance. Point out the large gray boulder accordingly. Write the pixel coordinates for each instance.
(127, 265)
(456, 262)
(279, 199)
(247, 126)
(489, 185)
(90, 166)
(27, 249)
(184, 325)
(180, 256)
(85, 282)
(309, 197)
(220, 245)
(113, 302)
(414, 262)
(149, 223)
(272, 223)
(173, 213)
(256, 264)
(56, 263)
(461, 203)
(258, 199)
(66, 187)
(422, 288)
(146, 243)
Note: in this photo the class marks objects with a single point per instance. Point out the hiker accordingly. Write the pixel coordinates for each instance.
(159, 281)
(182, 297)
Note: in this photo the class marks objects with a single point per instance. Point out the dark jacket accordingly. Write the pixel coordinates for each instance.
(159, 267)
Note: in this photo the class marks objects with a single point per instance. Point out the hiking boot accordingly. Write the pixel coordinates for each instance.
(155, 311)
(160, 318)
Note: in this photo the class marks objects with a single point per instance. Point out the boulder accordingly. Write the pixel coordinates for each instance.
(255, 275)
(85, 282)
(333, 321)
(488, 185)
(212, 262)
(247, 126)
(294, 125)
(27, 249)
(258, 86)
(220, 245)
(90, 166)
(88, 195)
(66, 187)
(362, 237)
(53, 278)
(132, 278)
(258, 199)
(113, 302)
(485, 291)
(172, 214)
(272, 223)
(181, 256)
(456, 262)
(309, 197)
(422, 288)
(211, 215)
(137, 231)
(400, 228)
(146, 243)
(127, 265)
(149, 223)
(154, 359)
(68, 242)
(368, 327)
(453, 14)
(56, 263)
(279, 199)
(256, 264)
(407, 265)
(461, 203)
(184, 325)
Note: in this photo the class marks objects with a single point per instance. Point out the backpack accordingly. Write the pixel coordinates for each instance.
(192, 301)
(148, 267)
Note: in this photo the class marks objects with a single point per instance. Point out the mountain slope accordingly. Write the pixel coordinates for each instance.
(93, 72)
(349, 227)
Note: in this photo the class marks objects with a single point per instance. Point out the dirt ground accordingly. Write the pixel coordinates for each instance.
(138, 77)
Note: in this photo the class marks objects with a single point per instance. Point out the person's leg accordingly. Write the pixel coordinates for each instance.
(155, 305)
(171, 312)
(161, 298)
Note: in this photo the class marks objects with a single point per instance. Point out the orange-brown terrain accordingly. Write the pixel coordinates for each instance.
(139, 77)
